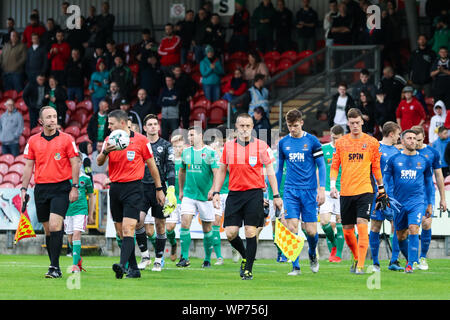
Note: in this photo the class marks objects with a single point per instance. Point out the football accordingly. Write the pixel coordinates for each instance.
(119, 138)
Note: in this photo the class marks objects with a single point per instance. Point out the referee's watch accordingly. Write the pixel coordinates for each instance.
(214, 193)
(160, 189)
(75, 185)
(276, 196)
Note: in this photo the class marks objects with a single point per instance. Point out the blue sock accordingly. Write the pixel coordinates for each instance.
(425, 240)
(374, 240)
(413, 249)
(312, 242)
(403, 245)
(395, 248)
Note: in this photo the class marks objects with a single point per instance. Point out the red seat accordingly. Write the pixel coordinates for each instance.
(272, 55)
(1, 179)
(134, 68)
(73, 130)
(10, 94)
(82, 139)
(325, 139)
(204, 103)
(17, 168)
(272, 66)
(190, 56)
(290, 55)
(7, 158)
(12, 177)
(429, 101)
(85, 104)
(284, 65)
(83, 130)
(21, 106)
(216, 115)
(37, 130)
(81, 115)
(239, 55)
(197, 77)
(74, 123)
(26, 132)
(22, 143)
(225, 79)
(187, 68)
(71, 105)
(7, 185)
(305, 68)
(232, 65)
(223, 104)
(198, 114)
(20, 159)
(4, 168)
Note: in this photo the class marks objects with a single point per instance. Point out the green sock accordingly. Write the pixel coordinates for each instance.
(185, 240)
(391, 237)
(171, 237)
(76, 251)
(208, 241)
(328, 229)
(216, 241)
(339, 240)
(152, 239)
(278, 248)
(329, 244)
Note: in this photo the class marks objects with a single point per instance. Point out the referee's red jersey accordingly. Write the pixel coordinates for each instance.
(245, 162)
(129, 164)
(52, 156)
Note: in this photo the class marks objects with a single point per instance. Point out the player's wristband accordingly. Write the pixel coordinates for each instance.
(105, 153)
(214, 193)
(23, 189)
(381, 189)
(159, 189)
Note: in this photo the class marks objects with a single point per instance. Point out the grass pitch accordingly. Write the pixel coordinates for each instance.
(22, 277)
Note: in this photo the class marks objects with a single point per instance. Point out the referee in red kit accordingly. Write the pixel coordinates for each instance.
(126, 194)
(56, 158)
(244, 158)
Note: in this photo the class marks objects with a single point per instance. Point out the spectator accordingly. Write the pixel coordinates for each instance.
(340, 104)
(98, 125)
(263, 19)
(363, 84)
(212, 71)
(32, 28)
(262, 125)
(201, 24)
(283, 25)
(105, 25)
(34, 97)
(37, 62)
(420, 64)
(55, 97)
(91, 20)
(79, 38)
(366, 105)
(240, 24)
(143, 106)
(409, 112)
(392, 86)
(121, 74)
(358, 17)
(341, 28)
(99, 84)
(186, 88)
(393, 24)
(49, 37)
(169, 49)
(437, 121)
(11, 128)
(440, 145)
(440, 72)
(328, 22)
(6, 37)
(185, 30)
(92, 60)
(381, 108)
(441, 37)
(111, 53)
(236, 87)
(62, 18)
(59, 55)
(151, 77)
(114, 97)
(96, 169)
(255, 66)
(132, 115)
(12, 62)
(147, 46)
(74, 74)
(85, 149)
(169, 102)
(306, 23)
(215, 35)
(257, 96)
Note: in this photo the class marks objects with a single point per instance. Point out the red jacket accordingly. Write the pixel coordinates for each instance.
(59, 59)
(237, 92)
(170, 50)
(410, 114)
(29, 30)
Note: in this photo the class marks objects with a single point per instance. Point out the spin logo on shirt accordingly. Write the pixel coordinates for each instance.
(408, 174)
(297, 157)
(355, 157)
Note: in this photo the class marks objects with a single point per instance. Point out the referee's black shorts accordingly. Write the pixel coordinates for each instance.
(51, 198)
(353, 207)
(150, 201)
(125, 200)
(244, 206)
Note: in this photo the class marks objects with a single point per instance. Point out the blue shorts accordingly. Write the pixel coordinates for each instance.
(408, 216)
(300, 203)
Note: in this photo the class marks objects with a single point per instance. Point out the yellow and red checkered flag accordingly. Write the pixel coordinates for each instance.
(24, 228)
(289, 243)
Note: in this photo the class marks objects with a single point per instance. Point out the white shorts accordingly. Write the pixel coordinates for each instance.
(331, 205)
(223, 200)
(75, 223)
(174, 217)
(272, 211)
(205, 209)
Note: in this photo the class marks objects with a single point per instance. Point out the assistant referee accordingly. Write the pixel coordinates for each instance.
(126, 170)
(244, 158)
(56, 158)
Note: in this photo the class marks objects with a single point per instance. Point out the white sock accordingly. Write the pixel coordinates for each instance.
(158, 260)
(145, 254)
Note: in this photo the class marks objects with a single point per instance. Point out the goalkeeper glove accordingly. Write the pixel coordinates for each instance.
(382, 201)
(171, 202)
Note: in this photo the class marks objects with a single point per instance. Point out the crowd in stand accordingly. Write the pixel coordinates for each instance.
(49, 64)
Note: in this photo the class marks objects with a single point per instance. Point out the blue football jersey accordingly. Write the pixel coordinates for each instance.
(386, 153)
(300, 155)
(433, 157)
(411, 179)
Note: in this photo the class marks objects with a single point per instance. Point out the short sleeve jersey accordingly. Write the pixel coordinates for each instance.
(80, 207)
(328, 151)
(129, 164)
(52, 156)
(199, 174)
(245, 161)
(177, 170)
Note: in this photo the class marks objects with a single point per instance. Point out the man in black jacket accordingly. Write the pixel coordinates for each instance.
(91, 60)
(199, 35)
(49, 37)
(143, 106)
(392, 86)
(74, 74)
(114, 97)
(56, 97)
(215, 35)
(34, 96)
(262, 125)
(37, 62)
(98, 125)
(420, 64)
(283, 27)
(185, 30)
(186, 88)
(339, 106)
(151, 76)
(105, 25)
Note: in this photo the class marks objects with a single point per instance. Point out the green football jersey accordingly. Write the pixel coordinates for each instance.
(280, 188)
(177, 187)
(199, 175)
(328, 151)
(80, 207)
(224, 189)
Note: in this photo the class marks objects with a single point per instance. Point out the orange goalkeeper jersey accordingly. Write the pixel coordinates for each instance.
(359, 158)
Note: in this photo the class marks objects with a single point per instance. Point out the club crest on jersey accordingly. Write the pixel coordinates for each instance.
(305, 147)
(288, 148)
(364, 146)
(57, 156)
(131, 155)
(203, 155)
(160, 149)
(252, 161)
(419, 165)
